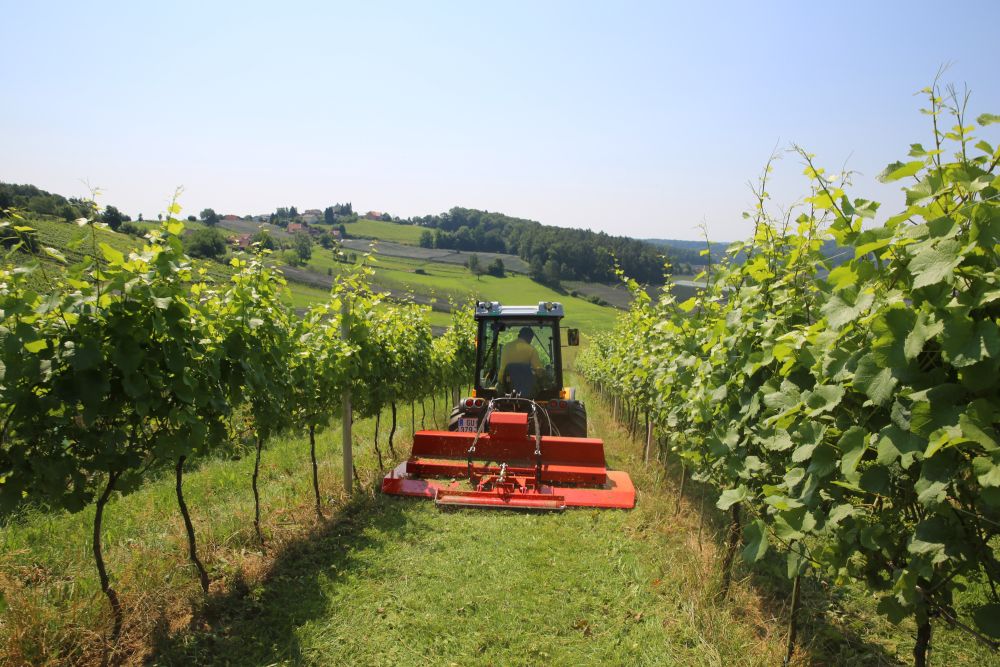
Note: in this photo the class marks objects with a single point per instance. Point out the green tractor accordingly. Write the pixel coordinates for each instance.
(519, 364)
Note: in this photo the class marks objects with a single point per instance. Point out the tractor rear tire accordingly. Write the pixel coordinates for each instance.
(574, 423)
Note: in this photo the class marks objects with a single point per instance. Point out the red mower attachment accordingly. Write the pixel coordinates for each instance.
(509, 468)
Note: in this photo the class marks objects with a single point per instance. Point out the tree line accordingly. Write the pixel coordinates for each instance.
(554, 253)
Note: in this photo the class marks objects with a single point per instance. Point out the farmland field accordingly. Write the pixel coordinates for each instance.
(452, 282)
(437, 255)
(386, 231)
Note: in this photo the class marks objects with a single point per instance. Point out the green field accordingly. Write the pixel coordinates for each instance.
(189, 225)
(75, 242)
(387, 231)
(455, 283)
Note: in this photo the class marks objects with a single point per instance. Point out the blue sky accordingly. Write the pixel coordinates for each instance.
(643, 119)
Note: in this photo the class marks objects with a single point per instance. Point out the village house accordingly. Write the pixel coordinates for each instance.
(311, 216)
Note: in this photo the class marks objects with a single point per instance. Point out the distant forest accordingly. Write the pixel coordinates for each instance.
(835, 254)
(718, 248)
(554, 253)
(34, 200)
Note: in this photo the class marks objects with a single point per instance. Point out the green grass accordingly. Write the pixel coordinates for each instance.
(450, 282)
(383, 581)
(303, 296)
(53, 609)
(439, 319)
(388, 231)
(459, 284)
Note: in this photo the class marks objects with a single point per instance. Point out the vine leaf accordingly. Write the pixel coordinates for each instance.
(966, 342)
(898, 170)
(824, 398)
(755, 536)
(931, 538)
(846, 306)
(852, 444)
(932, 265)
(924, 329)
(891, 608)
(987, 471)
(730, 497)
(113, 256)
(54, 254)
(895, 443)
(876, 382)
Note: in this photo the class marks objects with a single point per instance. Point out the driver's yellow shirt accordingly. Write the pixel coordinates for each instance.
(519, 352)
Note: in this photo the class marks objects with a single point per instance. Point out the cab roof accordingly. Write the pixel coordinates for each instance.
(496, 309)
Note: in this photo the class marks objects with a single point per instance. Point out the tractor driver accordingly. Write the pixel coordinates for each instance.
(520, 351)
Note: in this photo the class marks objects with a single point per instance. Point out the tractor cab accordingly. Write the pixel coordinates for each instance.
(519, 350)
(519, 363)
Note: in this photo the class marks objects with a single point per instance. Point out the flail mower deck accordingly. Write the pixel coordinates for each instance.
(508, 467)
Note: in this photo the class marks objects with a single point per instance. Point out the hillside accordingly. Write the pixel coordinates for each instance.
(431, 276)
(32, 199)
(438, 279)
(835, 253)
(691, 250)
(424, 259)
(578, 254)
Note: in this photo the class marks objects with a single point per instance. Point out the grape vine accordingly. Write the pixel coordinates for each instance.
(123, 365)
(847, 414)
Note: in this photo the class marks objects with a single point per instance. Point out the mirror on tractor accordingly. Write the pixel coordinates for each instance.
(572, 337)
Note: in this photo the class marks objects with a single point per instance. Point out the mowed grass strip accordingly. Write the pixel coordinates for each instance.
(395, 581)
(380, 581)
(51, 608)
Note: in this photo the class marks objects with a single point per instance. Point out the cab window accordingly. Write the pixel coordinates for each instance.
(517, 355)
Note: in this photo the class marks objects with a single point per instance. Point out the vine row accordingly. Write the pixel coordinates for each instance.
(846, 410)
(126, 364)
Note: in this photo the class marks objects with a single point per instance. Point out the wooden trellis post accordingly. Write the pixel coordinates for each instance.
(345, 332)
(649, 438)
